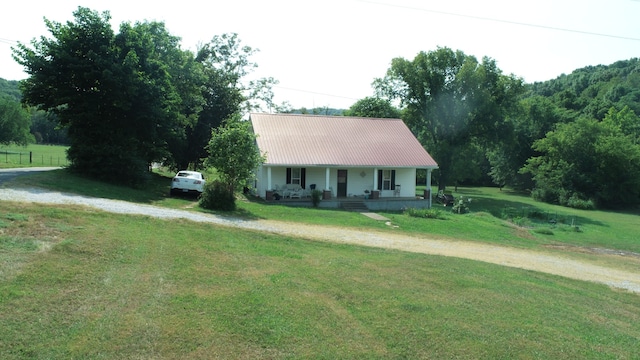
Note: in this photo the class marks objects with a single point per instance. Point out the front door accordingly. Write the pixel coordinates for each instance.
(342, 183)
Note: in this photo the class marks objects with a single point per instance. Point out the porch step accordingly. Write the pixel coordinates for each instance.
(354, 205)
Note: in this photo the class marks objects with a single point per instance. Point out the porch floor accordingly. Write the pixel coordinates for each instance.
(381, 204)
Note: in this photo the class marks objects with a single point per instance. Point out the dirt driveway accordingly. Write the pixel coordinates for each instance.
(525, 259)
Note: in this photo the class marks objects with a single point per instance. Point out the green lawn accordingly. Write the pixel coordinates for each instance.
(490, 210)
(76, 283)
(32, 155)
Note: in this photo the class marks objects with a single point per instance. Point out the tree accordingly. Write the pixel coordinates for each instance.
(586, 161)
(113, 93)
(14, 123)
(233, 153)
(223, 63)
(451, 100)
(373, 107)
(44, 128)
(536, 115)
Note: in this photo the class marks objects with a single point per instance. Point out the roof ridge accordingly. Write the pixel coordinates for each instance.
(326, 116)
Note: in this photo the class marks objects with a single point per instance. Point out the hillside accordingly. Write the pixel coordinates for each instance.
(10, 89)
(593, 90)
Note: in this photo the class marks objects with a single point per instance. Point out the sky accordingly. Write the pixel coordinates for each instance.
(326, 53)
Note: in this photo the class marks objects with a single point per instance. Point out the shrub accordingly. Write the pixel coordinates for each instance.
(316, 196)
(217, 196)
(577, 203)
(522, 221)
(460, 206)
(424, 213)
(543, 231)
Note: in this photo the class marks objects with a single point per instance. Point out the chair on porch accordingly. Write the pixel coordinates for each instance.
(294, 191)
(396, 190)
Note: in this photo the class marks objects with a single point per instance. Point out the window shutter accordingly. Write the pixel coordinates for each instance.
(380, 180)
(393, 179)
(288, 176)
(303, 178)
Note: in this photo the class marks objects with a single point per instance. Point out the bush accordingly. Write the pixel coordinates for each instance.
(543, 231)
(522, 221)
(577, 203)
(424, 213)
(460, 206)
(316, 196)
(217, 196)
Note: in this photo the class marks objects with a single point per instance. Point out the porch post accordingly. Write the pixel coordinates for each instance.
(269, 187)
(375, 179)
(327, 179)
(327, 193)
(429, 186)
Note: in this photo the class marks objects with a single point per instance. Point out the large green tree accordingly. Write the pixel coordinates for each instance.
(536, 115)
(450, 101)
(114, 93)
(14, 122)
(588, 161)
(220, 69)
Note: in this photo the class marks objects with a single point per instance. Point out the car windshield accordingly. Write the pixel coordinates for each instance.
(189, 175)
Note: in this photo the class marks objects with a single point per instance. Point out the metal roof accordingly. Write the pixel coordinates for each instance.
(313, 140)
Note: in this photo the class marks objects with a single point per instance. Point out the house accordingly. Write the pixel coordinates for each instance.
(347, 158)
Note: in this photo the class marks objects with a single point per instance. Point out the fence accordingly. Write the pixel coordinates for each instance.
(29, 158)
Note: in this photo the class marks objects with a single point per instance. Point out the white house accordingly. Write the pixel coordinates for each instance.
(345, 157)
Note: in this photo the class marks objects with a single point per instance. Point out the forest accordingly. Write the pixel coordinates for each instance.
(135, 97)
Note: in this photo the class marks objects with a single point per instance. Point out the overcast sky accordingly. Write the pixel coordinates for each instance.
(327, 53)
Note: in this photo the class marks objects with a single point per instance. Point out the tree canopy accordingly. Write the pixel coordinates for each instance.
(14, 123)
(234, 153)
(134, 97)
(373, 107)
(588, 160)
(451, 102)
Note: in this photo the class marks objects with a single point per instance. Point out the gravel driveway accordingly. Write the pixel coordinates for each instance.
(518, 258)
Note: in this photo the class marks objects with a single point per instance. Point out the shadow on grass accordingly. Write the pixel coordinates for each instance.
(502, 209)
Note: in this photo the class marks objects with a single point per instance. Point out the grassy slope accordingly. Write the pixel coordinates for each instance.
(85, 284)
(605, 229)
(76, 283)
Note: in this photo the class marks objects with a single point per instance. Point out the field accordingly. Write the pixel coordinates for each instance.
(32, 155)
(76, 283)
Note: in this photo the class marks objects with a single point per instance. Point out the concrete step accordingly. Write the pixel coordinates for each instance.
(356, 206)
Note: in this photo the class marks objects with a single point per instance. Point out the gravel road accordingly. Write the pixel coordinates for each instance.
(512, 257)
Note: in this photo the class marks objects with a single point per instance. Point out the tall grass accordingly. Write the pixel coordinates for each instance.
(101, 285)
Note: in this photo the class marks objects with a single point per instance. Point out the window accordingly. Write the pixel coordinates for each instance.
(296, 176)
(386, 180)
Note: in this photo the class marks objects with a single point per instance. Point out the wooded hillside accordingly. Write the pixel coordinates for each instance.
(593, 90)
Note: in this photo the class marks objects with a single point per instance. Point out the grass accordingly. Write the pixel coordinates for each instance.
(76, 283)
(41, 155)
(499, 217)
(103, 285)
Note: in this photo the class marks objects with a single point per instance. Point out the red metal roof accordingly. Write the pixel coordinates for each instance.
(290, 139)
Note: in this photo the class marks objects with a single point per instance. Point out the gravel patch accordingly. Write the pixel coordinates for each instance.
(505, 256)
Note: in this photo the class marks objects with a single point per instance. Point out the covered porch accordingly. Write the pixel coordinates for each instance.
(375, 188)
